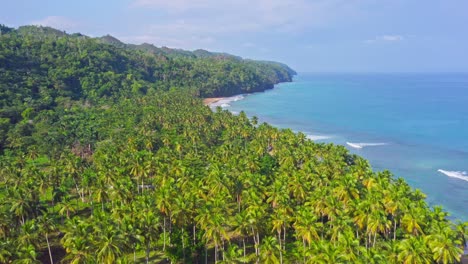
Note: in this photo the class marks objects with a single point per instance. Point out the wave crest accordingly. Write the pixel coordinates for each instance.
(317, 137)
(362, 145)
(462, 175)
(225, 102)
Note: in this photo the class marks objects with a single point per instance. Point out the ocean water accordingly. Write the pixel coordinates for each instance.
(415, 125)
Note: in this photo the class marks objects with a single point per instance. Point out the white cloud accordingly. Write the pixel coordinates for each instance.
(392, 37)
(248, 15)
(58, 22)
(151, 39)
(173, 6)
(385, 38)
(184, 23)
(191, 42)
(248, 45)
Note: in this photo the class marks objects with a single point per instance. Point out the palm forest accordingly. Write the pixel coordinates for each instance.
(108, 155)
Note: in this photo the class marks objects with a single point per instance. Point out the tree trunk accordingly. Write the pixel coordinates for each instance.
(255, 242)
(243, 244)
(48, 247)
(284, 237)
(258, 241)
(147, 251)
(194, 237)
(138, 187)
(281, 247)
(304, 248)
(78, 191)
(183, 244)
(366, 241)
(170, 230)
(223, 249)
(164, 234)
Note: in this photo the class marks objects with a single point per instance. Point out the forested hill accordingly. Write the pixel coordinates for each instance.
(74, 63)
(107, 155)
(41, 67)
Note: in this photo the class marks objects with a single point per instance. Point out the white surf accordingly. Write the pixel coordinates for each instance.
(462, 175)
(317, 137)
(225, 102)
(363, 145)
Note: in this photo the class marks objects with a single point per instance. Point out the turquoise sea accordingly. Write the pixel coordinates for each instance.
(415, 125)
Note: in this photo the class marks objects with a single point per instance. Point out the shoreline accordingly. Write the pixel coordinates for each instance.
(211, 100)
(358, 143)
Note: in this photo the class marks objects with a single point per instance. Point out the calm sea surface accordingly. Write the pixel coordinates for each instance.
(415, 125)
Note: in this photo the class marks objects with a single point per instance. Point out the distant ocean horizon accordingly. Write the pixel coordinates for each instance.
(413, 124)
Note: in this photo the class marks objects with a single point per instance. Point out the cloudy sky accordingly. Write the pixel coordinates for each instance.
(309, 35)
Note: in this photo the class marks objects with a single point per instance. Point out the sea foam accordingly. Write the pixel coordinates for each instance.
(462, 175)
(225, 102)
(318, 137)
(362, 145)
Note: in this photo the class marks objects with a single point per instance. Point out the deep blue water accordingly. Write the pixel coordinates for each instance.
(412, 124)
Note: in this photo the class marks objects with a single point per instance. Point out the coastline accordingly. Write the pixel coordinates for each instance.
(211, 100)
(429, 170)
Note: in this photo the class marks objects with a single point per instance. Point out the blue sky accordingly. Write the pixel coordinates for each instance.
(309, 35)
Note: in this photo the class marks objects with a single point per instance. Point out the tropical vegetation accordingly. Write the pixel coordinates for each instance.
(108, 155)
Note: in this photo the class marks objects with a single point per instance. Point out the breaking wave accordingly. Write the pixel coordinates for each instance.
(363, 145)
(318, 137)
(462, 175)
(225, 102)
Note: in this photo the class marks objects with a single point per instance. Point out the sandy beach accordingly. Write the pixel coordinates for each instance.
(208, 101)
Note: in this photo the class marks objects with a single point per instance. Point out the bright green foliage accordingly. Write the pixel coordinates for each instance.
(41, 68)
(153, 175)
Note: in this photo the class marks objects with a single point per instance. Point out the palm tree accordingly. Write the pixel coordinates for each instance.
(66, 206)
(78, 242)
(109, 243)
(306, 225)
(78, 251)
(412, 223)
(269, 248)
(241, 227)
(20, 203)
(148, 223)
(413, 250)
(461, 229)
(392, 251)
(26, 254)
(47, 225)
(211, 220)
(28, 234)
(444, 247)
(377, 223)
(324, 252)
(233, 255)
(280, 224)
(6, 250)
